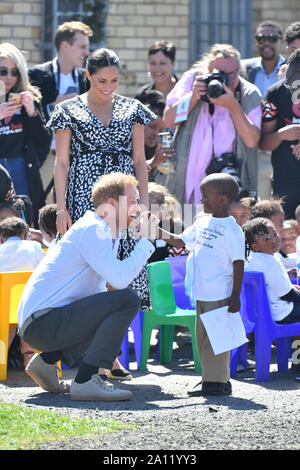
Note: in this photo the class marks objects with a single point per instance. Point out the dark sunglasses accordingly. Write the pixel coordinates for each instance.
(272, 38)
(4, 71)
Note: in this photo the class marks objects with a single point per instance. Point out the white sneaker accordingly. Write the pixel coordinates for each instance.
(96, 389)
(45, 375)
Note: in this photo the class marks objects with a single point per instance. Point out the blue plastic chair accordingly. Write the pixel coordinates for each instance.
(266, 330)
(239, 355)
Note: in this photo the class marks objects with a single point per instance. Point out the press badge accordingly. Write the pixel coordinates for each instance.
(183, 109)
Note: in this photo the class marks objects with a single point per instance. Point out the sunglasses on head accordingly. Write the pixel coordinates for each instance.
(272, 38)
(4, 71)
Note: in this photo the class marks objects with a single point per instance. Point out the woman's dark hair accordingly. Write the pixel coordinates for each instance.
(101, 58)
(154, 101)
(166, 47)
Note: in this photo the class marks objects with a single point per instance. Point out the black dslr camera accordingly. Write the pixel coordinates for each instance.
(228, 163)
(215, 84)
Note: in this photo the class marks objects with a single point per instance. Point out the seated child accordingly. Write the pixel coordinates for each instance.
(167, 209)
(18, 254)
(218, 244)
(240, 210)
(47, 224)
(264, 242)
(288, 239)
(270, 209)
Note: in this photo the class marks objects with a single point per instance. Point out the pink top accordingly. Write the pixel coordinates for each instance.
(207, 139)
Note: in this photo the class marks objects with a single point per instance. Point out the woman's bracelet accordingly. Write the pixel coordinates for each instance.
(60, 211)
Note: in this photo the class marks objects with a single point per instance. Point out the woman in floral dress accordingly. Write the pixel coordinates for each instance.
(97, 133)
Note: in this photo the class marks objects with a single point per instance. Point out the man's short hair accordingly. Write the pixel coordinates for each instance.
(47, 219)
(292, 32)
(271, 24)
(111, 186)
(225, 185)
(294, 58)
(67, 31)
(13, 227)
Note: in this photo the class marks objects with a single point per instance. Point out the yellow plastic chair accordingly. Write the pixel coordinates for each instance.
(11, 288)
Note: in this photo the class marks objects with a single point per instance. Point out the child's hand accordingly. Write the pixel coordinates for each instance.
(234, 304)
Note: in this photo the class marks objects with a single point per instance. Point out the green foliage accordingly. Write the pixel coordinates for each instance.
(95, 12)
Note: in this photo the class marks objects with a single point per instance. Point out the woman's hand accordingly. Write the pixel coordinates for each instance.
(9, 108)
(63, 221)
(27, 102)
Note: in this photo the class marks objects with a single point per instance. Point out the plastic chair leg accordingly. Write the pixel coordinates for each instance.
(234, 356)
(145, 349)
(166, 343)
(262, 362)
(283, 352)
(124, 357)
(137, 329)
(197, 363)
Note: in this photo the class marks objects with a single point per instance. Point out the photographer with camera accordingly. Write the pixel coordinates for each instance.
(220, 118)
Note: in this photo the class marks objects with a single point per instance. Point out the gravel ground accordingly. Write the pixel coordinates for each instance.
(257, 416)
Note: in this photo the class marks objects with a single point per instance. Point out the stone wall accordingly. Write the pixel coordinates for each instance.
(20, 24)
(133, 25)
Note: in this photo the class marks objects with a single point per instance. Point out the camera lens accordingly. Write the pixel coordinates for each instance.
(214, 89)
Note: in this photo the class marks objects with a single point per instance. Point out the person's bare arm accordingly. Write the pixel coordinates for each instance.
(61, 171)
(271, 138)
(171, 238)
(139, 163)
(238, 275)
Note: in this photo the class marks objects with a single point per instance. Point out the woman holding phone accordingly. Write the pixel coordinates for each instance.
(24, 138)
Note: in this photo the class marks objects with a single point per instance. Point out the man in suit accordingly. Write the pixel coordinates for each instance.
(263, 72)
(61, 78)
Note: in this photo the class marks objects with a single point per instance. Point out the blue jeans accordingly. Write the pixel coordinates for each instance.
(17, 171)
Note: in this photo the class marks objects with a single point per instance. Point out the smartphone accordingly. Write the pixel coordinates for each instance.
(15, 96)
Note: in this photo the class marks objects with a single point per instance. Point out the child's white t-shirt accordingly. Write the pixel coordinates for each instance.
(216, 243)
(277, 282)
(20, 255)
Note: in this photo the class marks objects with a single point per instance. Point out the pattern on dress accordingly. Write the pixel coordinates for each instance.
(97, 150)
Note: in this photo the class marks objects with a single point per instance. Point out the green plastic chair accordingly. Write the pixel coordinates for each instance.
(165, 314)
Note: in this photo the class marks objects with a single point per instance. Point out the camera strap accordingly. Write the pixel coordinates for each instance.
(211, 109)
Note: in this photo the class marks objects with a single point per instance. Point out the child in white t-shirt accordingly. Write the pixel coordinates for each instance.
(218, 245)
(18, 254)
(284, 297)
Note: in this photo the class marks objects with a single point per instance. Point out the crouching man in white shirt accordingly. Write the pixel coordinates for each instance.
(65, 310)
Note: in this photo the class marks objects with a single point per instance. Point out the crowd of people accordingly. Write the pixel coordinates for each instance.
(211, 156)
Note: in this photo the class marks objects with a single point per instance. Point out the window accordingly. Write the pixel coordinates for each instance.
(56, 12)
(220, 21)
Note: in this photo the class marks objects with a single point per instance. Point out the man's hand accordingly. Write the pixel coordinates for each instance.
(148, 226)
(234, 304)
(226, 100)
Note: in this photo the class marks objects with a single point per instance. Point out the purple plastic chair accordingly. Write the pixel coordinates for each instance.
(137, 329)
(178, 271)
(266, 330)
